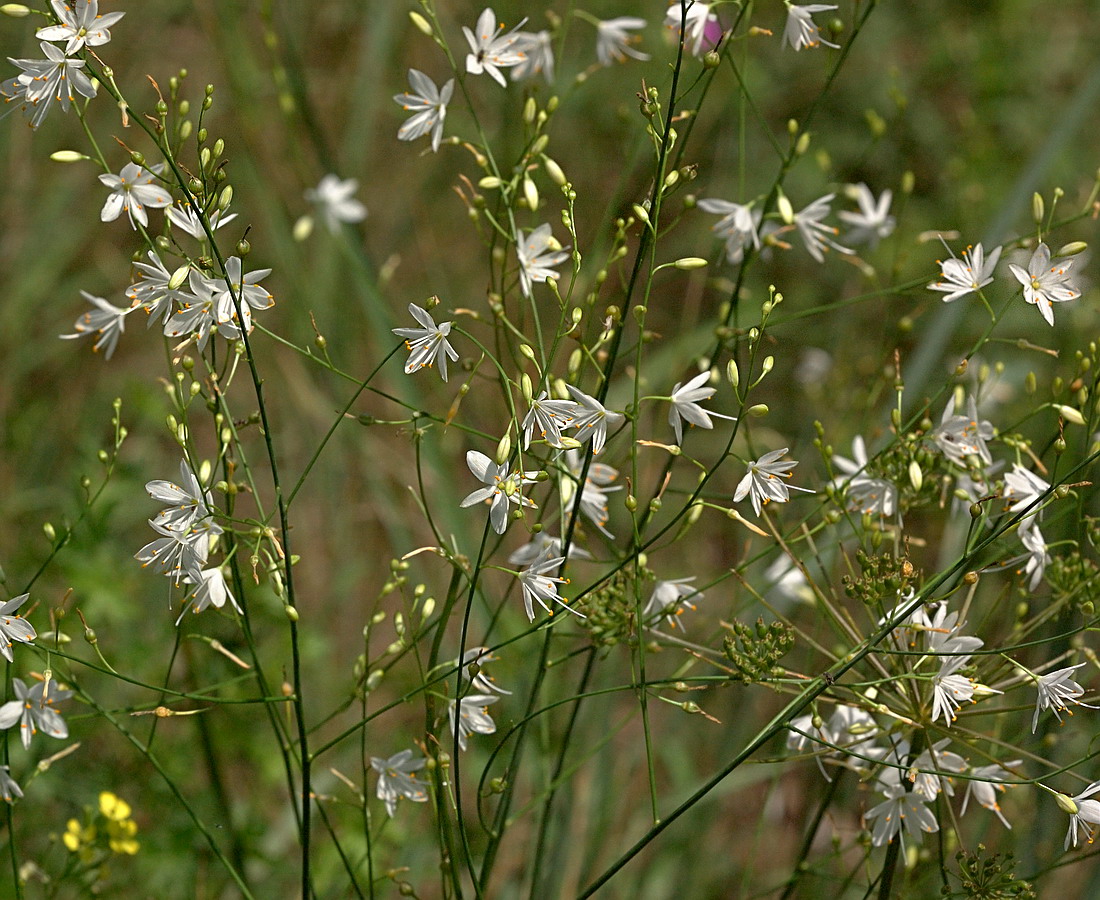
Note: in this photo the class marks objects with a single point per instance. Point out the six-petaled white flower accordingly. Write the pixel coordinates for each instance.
(427, 344)
(546, 418)
(960, 436)
(701, 29)
(479, 681)
(470, 715)
(541, 542)
(80, 25)
(154, 293)
(537, 52)
(874, 496)
(816, 235)
(764, 480)
(873, 221)
(209, 589)
(1082, 811)
(34, 710)
(669, 599)
(397, 778)
(800, 30)
(132, 190)
(106, 322)
(542, 588)
(984, 784)
(335, 200)
(44, 80)
(685, 405)
(492, 48)
(592, 419)
(1056, 690)
(239, 290)
(613, 40)
(13, 627)
(902, 812)
(428, 105)
(502, 490)
(184, 217)
(187, 501)
(959, 277)
(594, 493)
(1025, 487)
(1046, 281)
(538, 253)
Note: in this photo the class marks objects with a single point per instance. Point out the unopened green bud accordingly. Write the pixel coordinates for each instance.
(48, 530)
(690, 262)
(758, 411)
(803, 144)
(489, 183)
(786, 211)
(226, 198)
(916, 477)
(186, 127)
(504, 449)
(526, 388)
(1037, 208)
(421, 23)
(1073, 248)
(67, 156)
(641, 213)
(733, 374)
(530, 193)
(15, 10)
(178, 277)
(530, 108)
(1069, 414)
(554, 171)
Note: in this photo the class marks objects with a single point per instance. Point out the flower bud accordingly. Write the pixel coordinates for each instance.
(916, 477)
(530, 193)
(786, 211)
(758, 411)
(690, 262)
(733, 373)
(554, 171)
(291, 613)
(1037, 208)
(421, 23)
(1072, 249)
(67, 156)
(504, 449)
(1069, 414)
(15, 10)
(641, 213)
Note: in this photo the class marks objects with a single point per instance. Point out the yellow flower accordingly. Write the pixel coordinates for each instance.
(114, 808)
(77, 835)
(121, 837)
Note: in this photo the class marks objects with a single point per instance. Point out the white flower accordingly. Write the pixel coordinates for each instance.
(132, 190)
(669, 599)
(14, 627)
(81, 24)
(985, 784)
(397, 778)
(210, 590)
(238, 289)
(873, 221)
(961, 436)
(188, 502)
(492, 49)
(738, 226)
(472, 716)
(537, 51)
(961, 277)
(44, 80)
(1037, 557)
(541, 542)
(696, 29)
(8, 786)
(849, 728)
(1025, 487)
(685, 405)
(335, 202)
(538, 587)
(613, 40)
(817, 236)
(1046, 281)
(427, 344)
(186, 219)
(764, 483)
(428, 105)
(1055, 691)
(900, 813)
(788, 580)
(867, 495)
(592, 419)
(1082, 811)
(949, 690)
(480, 682)
(800, 30)
(502, 491)
(153, 292)
(538, 253)
(548, 417)
(34, 709)
(106, 322)
(195, 316)
(179, 554)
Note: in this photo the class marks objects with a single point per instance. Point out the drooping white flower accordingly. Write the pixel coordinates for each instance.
(1083, 812)
(179, 554)
(764, 480)
(1056, 690)
(950, 690)
(594, 502)
(670, 598)
(984, 786)
(1037, 557)
(788, 580)
(34, 710)
(132, 190)
(542, 588)
(44, 80)
(481, 682)
(184, 217)
(106, 322)
(1046, 281)
(187, 501)
(1025, 487)
(873, 222)
(472, 716)
(13, 627)
(849, 728)
(9, 788)
(537, 50)
(613, 40)
(397, 778)
(502, 490)
(538, 253)
(209, 589)
(428, 105)
(685, 405)
(701, 25)
(961, 277)
(427, 344)
(800, 30)
(335, 200)
(592, 419)
(491, 48)
(738, 226)
(80, 24)
(816, 235)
